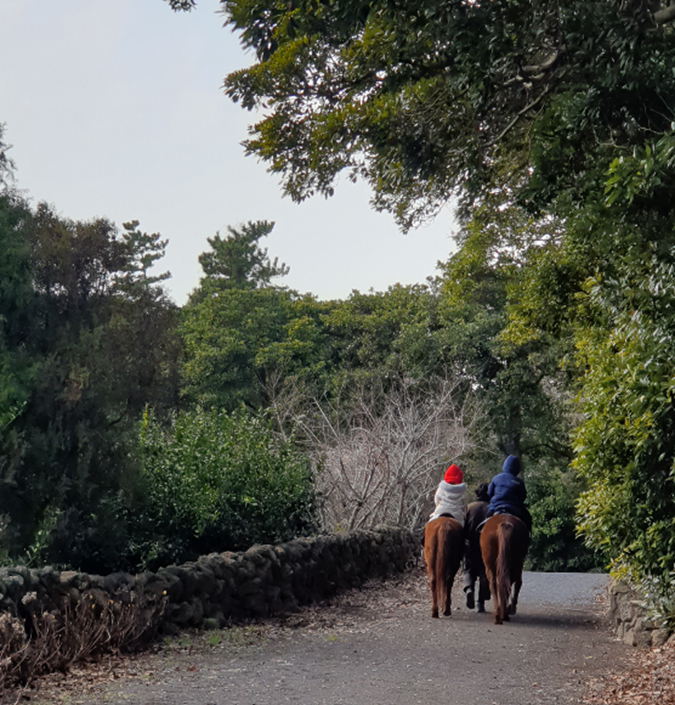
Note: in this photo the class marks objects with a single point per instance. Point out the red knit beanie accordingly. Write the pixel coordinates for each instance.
(453, 475)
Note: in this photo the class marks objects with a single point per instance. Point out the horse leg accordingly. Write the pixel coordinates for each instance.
(517, 583)
(469, 572)
(514, 598)
(518, 575)
(507, 598)
(483, 587)
(447, 610)
(495, 596)
(446, 589)
(451, 572)
(430, 550)
(434, 596)
(433, 586)
(492, 581)
(484, 590)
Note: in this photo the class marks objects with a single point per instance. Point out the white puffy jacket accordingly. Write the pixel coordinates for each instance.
(450, 499)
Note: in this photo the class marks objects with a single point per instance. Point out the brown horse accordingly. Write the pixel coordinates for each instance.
(503, 543)
(443, 546)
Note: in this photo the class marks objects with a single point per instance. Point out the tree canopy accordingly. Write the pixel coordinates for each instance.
(428, 99)
(561, 112)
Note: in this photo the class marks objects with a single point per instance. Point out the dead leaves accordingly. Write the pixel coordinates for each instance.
(650, 680)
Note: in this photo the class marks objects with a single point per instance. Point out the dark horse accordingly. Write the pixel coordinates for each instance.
(503, 544)
(443, 546)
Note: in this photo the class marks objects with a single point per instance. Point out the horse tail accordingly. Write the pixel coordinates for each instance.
(503, 567)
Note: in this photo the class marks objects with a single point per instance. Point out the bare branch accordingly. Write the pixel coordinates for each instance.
(378, 455)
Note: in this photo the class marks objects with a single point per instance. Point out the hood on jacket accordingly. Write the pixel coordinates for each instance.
(511, 465)
(452, 489)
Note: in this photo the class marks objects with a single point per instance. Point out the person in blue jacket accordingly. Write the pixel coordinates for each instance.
(507, 494)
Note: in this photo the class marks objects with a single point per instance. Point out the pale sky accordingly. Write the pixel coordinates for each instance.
(115, 109)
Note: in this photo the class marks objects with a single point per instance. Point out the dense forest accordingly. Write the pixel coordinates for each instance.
(134, 432)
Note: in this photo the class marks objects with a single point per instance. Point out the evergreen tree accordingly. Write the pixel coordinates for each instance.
(238, 262)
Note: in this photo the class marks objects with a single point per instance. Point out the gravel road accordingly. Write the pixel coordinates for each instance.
(379, 646)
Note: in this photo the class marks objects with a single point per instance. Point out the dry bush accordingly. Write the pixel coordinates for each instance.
(53, 640)
(379, 455)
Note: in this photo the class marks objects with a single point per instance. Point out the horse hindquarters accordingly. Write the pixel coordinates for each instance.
(442, 554)
(504, 541)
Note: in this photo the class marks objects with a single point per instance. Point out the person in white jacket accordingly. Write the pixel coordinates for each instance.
(450, 497)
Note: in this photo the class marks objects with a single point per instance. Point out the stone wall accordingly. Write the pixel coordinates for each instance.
(221, 588)
(634, 625)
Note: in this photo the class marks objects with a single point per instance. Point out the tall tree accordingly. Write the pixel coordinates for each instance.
(523, 375)
(17, 365)
(142, 252)
(238, 262)
(241, 333)
(97, 352)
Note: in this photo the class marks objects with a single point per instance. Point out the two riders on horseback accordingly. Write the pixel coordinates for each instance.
(504, 495)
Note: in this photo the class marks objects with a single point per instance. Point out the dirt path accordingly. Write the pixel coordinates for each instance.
(379, 646)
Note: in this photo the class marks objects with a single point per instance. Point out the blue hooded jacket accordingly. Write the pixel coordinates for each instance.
(507, 491)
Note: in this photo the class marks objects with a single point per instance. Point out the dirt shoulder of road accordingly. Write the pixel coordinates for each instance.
(648, 678)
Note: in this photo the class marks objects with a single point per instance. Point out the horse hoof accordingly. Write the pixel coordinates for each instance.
(481, 607)
(469, 601)
(512, 609)
(498, 621)
(447, 613)
(434, 614)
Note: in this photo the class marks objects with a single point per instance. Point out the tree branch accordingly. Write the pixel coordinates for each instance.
(544, 66)
(522, 112)
(665, 15)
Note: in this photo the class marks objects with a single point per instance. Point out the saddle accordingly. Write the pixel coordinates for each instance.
(527, 520)
(494, 514)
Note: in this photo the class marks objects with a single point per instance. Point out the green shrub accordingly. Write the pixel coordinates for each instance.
(555, 545)
(625, 448)
(213, 481)
(94, 540)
